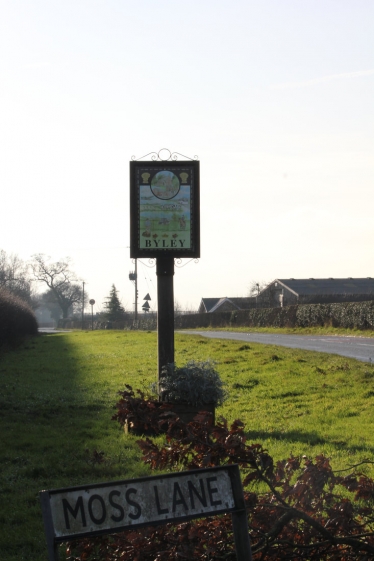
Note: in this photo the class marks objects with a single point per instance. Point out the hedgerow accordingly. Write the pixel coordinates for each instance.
(352, 315)
(17, 319)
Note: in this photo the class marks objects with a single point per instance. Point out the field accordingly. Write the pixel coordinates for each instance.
(58, 394)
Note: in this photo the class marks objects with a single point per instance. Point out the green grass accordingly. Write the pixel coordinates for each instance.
(296, 401)
(58, 394)
(341, 331)
(57, 398)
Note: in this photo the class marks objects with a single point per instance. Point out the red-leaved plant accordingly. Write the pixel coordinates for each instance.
(297, 509)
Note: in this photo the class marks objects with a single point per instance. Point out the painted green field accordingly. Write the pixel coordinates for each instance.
(58, 394)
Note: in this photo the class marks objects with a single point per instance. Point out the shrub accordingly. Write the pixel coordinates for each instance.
(298, 508)
(17, 319)
(196, 383)
(141, 413)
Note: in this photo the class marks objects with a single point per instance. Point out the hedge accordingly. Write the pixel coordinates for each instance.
(17, 319)
(353, 315)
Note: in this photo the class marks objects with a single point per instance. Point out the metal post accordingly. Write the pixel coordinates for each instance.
(165, 311)
(240, 518)
(48, 526)
(83, 307)
(92, 302)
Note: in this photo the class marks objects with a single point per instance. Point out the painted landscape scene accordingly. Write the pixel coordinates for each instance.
(165, 219)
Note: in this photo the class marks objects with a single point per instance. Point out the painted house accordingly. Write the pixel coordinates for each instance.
(285, 292)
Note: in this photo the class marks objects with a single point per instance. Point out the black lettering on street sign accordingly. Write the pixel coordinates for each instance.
(112, 507)
(73, 511)
(200, 495)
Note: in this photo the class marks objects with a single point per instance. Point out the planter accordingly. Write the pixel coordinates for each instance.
(187, 412)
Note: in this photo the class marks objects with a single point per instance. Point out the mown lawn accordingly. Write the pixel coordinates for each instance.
(58, 394)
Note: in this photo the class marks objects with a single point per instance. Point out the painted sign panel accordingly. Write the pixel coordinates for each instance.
(164, 207)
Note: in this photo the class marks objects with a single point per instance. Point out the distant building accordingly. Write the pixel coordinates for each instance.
(285, 292)
(225, 304)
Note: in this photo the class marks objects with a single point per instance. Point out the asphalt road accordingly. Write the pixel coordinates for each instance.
(360, 348)
(47, 330)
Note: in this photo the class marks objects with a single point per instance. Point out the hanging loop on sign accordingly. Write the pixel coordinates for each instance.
(164, 155)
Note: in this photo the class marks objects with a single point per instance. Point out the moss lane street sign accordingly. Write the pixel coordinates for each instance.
(103, 508)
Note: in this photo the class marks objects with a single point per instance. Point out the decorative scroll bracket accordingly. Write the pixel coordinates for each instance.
(164, 155)
(178, 262)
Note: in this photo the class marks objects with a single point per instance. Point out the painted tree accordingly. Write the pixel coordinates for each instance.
(114, 310)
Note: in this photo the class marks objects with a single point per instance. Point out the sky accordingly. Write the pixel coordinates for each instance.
(276, 98)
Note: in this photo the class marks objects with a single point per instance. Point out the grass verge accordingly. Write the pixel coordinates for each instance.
(58, 394)
(341, 331)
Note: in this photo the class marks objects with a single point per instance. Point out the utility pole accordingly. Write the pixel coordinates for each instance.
(83, 306)
(133, 276)
(136, 290)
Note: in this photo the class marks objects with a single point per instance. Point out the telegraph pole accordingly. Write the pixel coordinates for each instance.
(83, 306)
(133, 276)
(136, 290)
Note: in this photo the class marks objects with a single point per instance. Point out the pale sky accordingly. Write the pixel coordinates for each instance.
(275, 97)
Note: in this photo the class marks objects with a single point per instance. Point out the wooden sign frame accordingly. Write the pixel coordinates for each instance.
(165, 209)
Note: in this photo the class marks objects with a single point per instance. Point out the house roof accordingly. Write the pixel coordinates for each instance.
(209, 303)
(212, 304)
(329, 286)
(243, 302)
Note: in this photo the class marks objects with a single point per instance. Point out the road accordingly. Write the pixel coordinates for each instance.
(360, 348)
(47, 330)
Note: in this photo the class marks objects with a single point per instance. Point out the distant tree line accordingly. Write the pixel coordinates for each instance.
(63, 295)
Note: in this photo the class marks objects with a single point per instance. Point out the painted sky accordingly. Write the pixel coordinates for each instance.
(276, 98)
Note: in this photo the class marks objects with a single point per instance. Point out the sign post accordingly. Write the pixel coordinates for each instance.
(165, 314)
(164, 225)
(107, 508)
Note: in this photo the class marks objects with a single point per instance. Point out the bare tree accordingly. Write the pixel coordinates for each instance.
(15, 277)
(255, 287)
(60, 279)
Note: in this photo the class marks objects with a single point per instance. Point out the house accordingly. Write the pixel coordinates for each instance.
(285, 292)
(225, 304)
